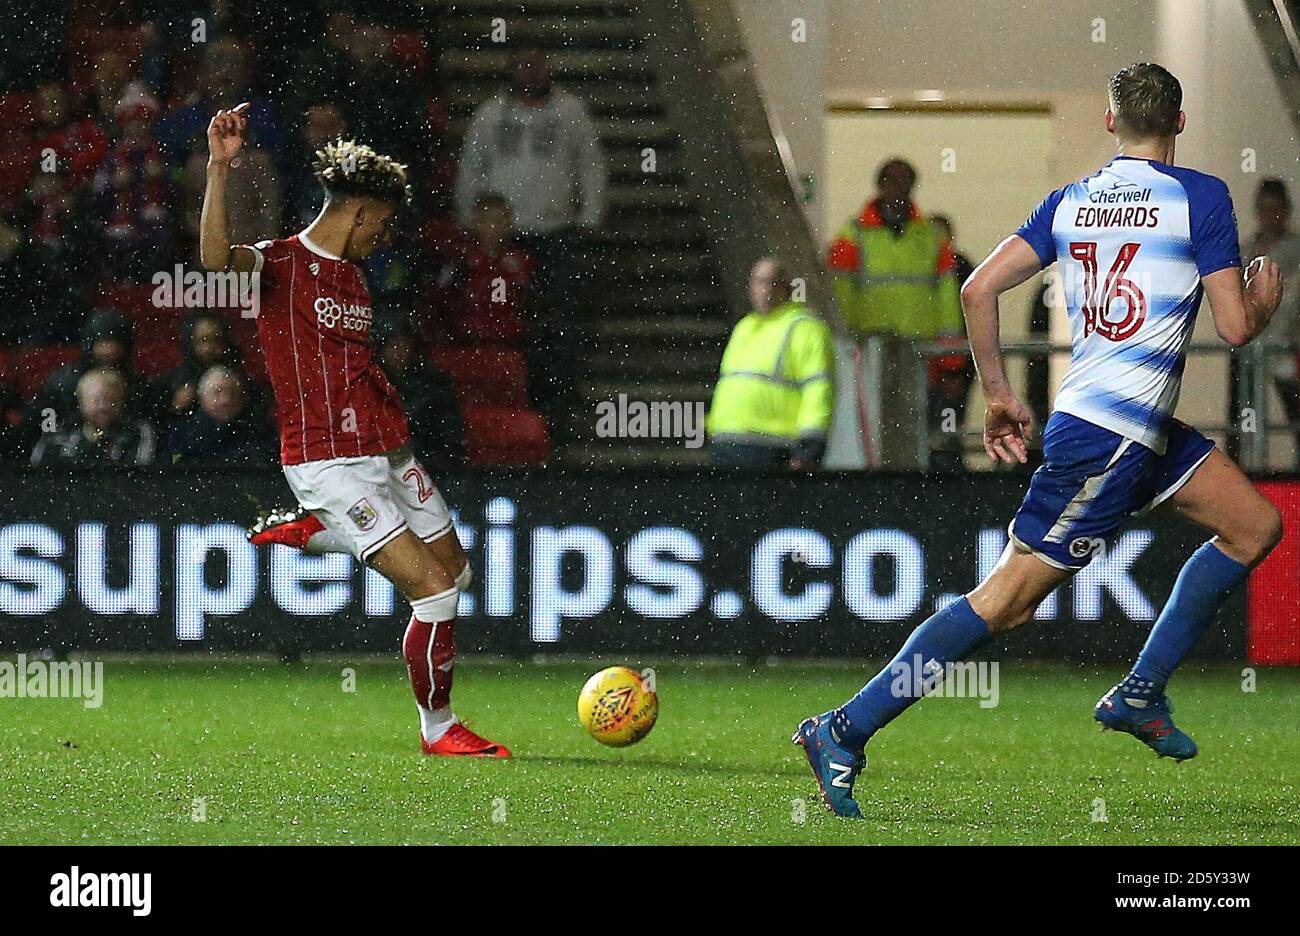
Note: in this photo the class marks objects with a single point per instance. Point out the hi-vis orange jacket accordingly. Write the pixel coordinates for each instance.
(886, 283)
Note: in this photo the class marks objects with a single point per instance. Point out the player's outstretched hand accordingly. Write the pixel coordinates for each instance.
(226, 133)
(1007, 424)
(1264, 285)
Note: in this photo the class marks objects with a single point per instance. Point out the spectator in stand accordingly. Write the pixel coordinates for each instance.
(383, 102)
(78, 144)
(109, 76)
(432, 408)
(775, 394)
(105, 433)
(539, 148)
(221, 429)
(107, 341)
(133, 194)
(962, 266)
(35, 37)
(206, 342)
(303, 196)
(895, 285)
(10, 432)
(225, 83)
(479, 294)
(252, 193)
(60, 215)
(43, 298)
(322, 62)
(1274, 238)
(951, 375)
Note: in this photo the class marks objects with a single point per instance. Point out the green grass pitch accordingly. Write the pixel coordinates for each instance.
(281, 754)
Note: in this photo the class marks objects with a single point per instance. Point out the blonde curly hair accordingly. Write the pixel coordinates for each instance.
(346, 167)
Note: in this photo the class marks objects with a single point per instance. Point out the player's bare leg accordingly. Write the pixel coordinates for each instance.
(1013, 590)
(431, 576)
(1220, 498)
(1246, 527)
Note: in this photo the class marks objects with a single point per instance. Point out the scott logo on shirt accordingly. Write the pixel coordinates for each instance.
(331, 312)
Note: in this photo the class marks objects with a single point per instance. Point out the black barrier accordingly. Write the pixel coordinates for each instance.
(566, 562)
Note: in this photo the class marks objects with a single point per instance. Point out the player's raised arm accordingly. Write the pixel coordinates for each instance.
(1243, 304)
(225, 139)
(1006, 421)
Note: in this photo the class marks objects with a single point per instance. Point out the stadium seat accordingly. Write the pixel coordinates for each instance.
(135, 301)
(90, 38)
(38, 363)
(244, 331)
(16, 161)
(157, 357)
(409, 50)
(486, 376)
(505, 435)
(17, 112)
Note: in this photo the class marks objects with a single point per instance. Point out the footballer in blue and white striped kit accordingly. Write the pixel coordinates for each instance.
(1137, 244)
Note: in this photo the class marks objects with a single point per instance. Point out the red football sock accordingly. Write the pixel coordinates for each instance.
(430, 651)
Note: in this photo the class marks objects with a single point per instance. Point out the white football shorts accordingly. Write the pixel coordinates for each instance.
(369, 500)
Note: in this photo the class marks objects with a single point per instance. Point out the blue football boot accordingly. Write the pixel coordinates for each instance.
(835, 766)
(1151, 723)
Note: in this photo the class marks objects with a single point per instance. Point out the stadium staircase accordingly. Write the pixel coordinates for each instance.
(670, 272)
(1277, 24)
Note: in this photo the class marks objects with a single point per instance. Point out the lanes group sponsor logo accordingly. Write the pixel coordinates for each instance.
(330, 312)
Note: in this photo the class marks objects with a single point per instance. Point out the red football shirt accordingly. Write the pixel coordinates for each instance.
(314, 319)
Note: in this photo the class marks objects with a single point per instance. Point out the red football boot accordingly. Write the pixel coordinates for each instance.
(460, 741)
(286, 527)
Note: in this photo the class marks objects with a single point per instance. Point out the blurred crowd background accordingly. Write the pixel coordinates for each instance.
(104, 107)
(582, 224)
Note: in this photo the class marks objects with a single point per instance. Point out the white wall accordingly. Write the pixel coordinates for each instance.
(1059, 53)
(789, 41)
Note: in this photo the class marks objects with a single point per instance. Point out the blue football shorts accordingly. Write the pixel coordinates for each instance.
(1092, 481)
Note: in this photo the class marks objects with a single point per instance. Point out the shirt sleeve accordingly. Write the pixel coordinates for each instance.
(1037, 229)
(1213, 225)
(259, 251)
(812, 365)
(471, 173)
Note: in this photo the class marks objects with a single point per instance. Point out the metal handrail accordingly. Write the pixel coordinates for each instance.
(1260, 355)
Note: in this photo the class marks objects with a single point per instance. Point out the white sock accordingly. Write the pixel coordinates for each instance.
(436, 608)
(434, 723)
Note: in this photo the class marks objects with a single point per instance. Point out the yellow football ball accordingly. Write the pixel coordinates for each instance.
(618, 706)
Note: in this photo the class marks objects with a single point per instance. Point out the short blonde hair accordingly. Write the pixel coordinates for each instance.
(346, 167)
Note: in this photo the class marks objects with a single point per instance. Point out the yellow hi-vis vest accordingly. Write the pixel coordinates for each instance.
(777, 384)
(899, 285)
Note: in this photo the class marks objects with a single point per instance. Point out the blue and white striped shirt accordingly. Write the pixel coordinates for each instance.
(1133, 242)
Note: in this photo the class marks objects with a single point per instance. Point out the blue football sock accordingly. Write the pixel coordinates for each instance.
(1203, 585)
(946, 636)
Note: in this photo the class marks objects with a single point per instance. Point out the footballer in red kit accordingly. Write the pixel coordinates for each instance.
(344, 440)
(314, 320)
